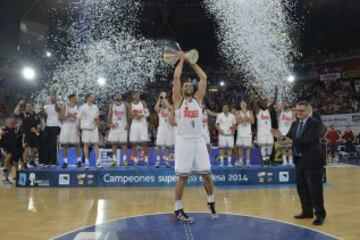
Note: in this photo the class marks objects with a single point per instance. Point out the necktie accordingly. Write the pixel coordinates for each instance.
(300, 129)
(298, 134)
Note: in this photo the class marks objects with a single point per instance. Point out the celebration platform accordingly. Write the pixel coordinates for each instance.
(149, 177)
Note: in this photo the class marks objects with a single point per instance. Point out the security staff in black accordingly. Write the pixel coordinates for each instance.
(309, 162)
(31, 124)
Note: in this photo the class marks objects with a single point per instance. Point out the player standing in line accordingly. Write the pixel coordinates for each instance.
(245, 119)
(285, 117)
(70, 132)
(165, 134)
(139, 127)
(118, 134)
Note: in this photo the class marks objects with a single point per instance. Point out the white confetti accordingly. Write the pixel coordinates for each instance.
(254, 37)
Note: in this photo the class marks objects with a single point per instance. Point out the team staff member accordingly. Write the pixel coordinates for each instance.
(31, 126)
(305, 137)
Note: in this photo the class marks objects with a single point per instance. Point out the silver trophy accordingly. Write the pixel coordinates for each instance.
(171, 54)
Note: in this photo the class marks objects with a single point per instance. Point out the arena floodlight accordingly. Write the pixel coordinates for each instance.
(101, 81)
(291, 78)
(222, 83)
(28, 73)
(48, 54)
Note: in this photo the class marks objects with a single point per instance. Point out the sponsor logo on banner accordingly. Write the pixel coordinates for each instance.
(22, 179)
(269, 177)
(261, 177)
(355, 118)
(90, 179)
(284, 176)
(81, 178)
(32, 177)
(330, 76)
(265, 177)
(64, 179)
(34, 181)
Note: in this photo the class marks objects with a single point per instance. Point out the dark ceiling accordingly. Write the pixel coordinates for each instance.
(328, 24)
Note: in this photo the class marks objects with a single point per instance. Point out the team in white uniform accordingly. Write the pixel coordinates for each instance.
(285, 119)
(139, 127)
(69, 133)
(118, 134)
(244, 121)
(89, 121)
(225, 124)
(165, 133)
(191, 155)
(264, 137)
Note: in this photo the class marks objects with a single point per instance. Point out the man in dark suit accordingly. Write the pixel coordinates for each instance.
(305, 137)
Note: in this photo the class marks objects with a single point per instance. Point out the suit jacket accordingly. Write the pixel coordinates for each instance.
(308, 144)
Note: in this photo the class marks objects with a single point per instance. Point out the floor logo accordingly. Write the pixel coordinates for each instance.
(284, 177)
(64, 179)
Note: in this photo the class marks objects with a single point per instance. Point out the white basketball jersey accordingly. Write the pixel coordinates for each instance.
(263, 122)
(119, 115)
(244, 129)
(189, 119)
(205, 119)
(138, 108)
(164, 118)
(285, 121)
(88, 113)
(72, 113)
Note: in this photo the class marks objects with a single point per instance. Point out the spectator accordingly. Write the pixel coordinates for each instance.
(349, 139)
(332, 139)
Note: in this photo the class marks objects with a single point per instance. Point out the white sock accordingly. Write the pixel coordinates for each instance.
(135, 160)
(211, 198)
(284, 159)
(291, 159)
(178, 205)
(87, 161)
(240, 160)
(124, 157)
(65, 160)
(158, 158)
(146, 159)
(78, 159)
(115, 157)
(98, 161)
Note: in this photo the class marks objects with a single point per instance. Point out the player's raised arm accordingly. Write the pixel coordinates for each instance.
(200, 93)
(177, 97)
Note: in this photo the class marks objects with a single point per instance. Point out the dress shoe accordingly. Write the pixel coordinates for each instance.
(318, 221)
(304, 215)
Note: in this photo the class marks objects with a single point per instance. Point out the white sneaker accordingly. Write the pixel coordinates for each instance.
(238, 163)
(157, 164)
(99, 165)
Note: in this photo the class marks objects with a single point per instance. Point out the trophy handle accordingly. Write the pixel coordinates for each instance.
(192, 56)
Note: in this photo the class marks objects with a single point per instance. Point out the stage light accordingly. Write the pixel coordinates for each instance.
(222, 83)
(48, 54)
(101, 81)
(291, 78)
(28, 73)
